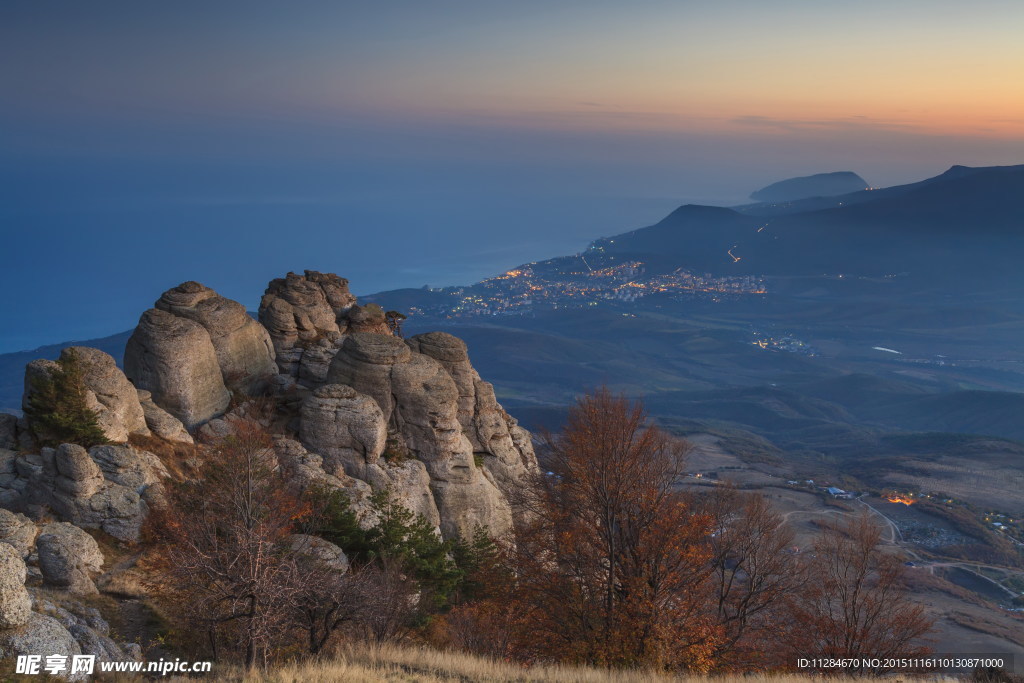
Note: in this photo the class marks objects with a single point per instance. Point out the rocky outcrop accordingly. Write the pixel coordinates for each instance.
(160, 422)
(308, 316)
(15, 603)
(243, 347)
(17, 531)
(107, 391)
(12, 486)
(68, 558)
(300, 311)
(306, 469)
(345, 427)
(69, 481)
(174, 358)
(503, 447)
(420, 404)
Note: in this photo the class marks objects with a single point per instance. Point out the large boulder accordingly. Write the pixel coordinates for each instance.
(68, 558)
(308, 316)
(320, 552)
(300, 310)
(17, 531)
(243, 347)
(504, 448)
(174, 358)
(40, 634)
(15, 602)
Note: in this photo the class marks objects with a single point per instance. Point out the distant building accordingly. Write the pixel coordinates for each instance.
(838, 492)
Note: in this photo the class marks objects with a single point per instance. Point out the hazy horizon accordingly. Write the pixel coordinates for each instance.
(146, 145)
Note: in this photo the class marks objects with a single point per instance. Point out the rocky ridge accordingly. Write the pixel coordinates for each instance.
(353, 408)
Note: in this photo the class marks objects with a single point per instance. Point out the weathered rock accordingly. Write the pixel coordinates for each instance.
(306, 469)
(15, 603)
(77, 474)
(130, 467)
(369, 318)
(160, 422)
(243, 346)
(319, 551)
(87, 626)
(68, 557)
(17, 531)
(408, 484)
(40, 634)
(345, 427)
(505, 448)
(421, 406)
(8, 431)
(174, 358)
(306, 316)
(109, 393)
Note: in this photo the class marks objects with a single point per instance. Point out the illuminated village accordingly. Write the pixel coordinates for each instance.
(576, 282)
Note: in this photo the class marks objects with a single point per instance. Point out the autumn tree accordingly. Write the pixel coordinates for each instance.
(228, 559)
(856, 604)
(613, 567)
(754, 575)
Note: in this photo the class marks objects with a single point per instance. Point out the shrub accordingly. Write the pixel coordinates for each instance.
(57, 410)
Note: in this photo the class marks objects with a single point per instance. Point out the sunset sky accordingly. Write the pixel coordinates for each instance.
(230, 142)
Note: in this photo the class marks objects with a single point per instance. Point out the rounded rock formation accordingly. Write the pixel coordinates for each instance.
(243, 347)
(174, 359)
(68, 557)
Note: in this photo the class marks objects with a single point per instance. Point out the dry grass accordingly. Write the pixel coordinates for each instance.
(365, 663)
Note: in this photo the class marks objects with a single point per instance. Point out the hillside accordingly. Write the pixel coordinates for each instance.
(818, 185)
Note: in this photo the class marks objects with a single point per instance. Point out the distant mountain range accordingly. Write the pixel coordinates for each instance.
(818, 185)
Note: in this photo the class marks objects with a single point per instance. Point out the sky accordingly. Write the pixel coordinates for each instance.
(402, 143)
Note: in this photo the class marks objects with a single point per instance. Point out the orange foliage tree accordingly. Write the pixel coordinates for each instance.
(611, 567)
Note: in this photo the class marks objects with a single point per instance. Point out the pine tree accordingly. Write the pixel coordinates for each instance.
(57, 409)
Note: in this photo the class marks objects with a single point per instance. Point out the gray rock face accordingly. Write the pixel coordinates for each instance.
(428, 396)
(12, 486)
(17, 531)
(319, 551)
(15, 602)
(40, 634)
(244, 351)
(174, 358)
(160, 422)
(70, 482)
(345, 427)
(308, 317)
(300, 310)
(505, 448)
(110, 394)
(87, 626)
(68, 558)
